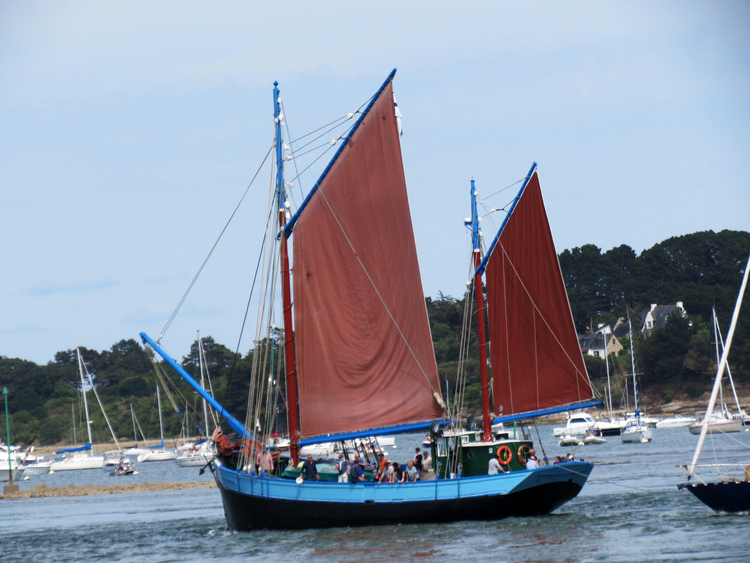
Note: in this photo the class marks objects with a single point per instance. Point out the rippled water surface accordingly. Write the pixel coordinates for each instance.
(630, 510)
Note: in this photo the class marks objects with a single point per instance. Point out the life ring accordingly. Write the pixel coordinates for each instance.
(507, 457)
(523, 449)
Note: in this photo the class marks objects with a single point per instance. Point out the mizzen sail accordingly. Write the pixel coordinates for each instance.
(536, 358)
(364, 349)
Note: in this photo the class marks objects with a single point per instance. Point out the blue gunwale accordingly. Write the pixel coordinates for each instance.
(421, 491)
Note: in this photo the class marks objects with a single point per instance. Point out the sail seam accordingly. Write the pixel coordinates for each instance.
(377, 292)
(536, 308)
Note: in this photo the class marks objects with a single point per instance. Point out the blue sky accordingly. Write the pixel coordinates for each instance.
(131, 130)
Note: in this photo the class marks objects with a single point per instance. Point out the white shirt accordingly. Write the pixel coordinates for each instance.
(532, 464)
(494, 467)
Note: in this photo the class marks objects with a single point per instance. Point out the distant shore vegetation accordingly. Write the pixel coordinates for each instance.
(702, 270)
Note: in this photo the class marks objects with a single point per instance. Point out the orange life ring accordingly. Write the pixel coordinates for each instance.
(525, 450)
(504, 460)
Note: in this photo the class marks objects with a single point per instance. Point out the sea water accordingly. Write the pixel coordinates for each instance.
(630, 510)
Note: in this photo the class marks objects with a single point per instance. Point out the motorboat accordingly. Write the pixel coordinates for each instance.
(41, 467)
(570, 440)
(676, 422)
(577, 425)
(593, 437)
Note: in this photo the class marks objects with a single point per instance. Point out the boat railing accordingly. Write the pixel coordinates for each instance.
(729, 472)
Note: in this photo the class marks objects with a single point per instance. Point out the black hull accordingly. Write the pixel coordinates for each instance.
(722, 497)
(244, 512)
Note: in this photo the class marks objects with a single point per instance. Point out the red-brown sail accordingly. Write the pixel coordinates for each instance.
(536, 359)
(364, 349)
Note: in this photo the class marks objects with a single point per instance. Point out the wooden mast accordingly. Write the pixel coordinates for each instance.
(479, 297)
(291, 372)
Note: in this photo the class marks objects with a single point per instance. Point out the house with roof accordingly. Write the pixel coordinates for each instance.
(593, 344)
(656, 317)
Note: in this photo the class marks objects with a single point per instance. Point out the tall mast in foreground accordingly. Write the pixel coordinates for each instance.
(291, 373)
(479, 298)
(720, 371)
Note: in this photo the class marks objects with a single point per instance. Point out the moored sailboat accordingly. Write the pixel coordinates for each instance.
(732, 492)
(361, 339)
(82, 457)
(636, 431)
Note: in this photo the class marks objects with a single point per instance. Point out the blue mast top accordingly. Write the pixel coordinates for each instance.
(474, 219)
(277, 118)
(483, 265)
(290, 224)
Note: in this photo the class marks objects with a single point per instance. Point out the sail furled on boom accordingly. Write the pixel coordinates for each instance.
(364, 348)
(536, 358)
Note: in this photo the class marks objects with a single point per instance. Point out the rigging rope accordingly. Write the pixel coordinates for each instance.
(221, 234)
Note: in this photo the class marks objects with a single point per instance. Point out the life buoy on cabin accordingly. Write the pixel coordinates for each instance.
(523, 454)
(505, 456)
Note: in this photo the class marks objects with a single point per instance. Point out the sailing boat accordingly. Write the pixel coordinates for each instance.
(723, 421)
(136, 449)
(158, 452)
(201, 453)
(731, 493)
(360, 356)
(83, 457)
(636, 431)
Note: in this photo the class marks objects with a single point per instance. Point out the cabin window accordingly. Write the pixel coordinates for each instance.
(577, 420)
(441, 447)
(464, 439)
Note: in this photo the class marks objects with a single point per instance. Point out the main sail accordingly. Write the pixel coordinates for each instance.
(536, 358)
(364, 349)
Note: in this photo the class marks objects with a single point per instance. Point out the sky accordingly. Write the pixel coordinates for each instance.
(130, 131)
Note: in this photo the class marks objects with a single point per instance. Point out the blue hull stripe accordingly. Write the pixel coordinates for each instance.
(421, 491)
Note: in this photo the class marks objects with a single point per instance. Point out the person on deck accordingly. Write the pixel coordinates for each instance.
(410, 474)
(495, 466)
(266, 461)
(357, 471)
(309, 470)
(532, 462)
(387, 475)
(427, 473)
(344, 467)
(381, 463)
(418, 460)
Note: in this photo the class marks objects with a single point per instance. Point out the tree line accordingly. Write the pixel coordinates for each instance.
(703, 270)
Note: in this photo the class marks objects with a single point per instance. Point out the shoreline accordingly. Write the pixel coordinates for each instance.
(43, 491)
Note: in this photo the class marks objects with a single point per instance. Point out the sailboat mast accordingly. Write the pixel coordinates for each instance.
(161, 424)
(479, 297)
(632, 368)
(720, 371)
(202, 363)
(286, 291)
(83, 389)
(606, 364)
(718, 356)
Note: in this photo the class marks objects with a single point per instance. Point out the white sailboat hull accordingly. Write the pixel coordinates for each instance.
(194, 459)
(718, 427)
(637, 435)
(159, 455)
(78, 462)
